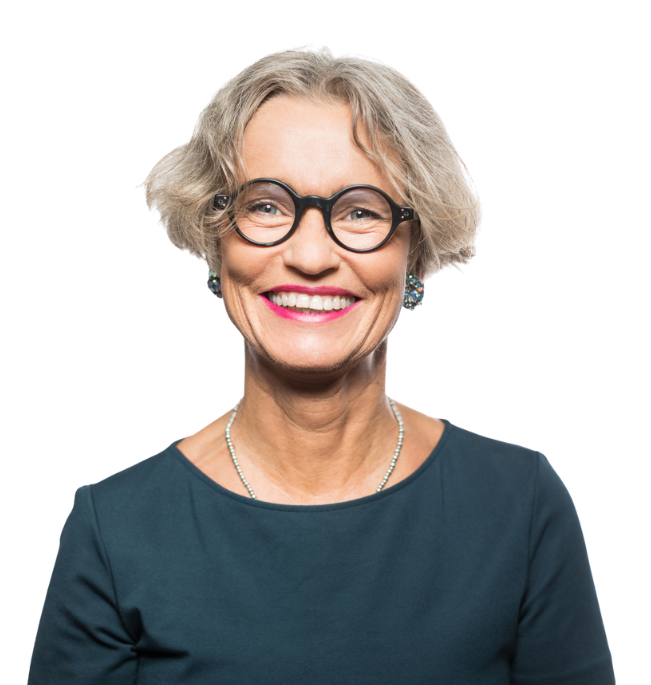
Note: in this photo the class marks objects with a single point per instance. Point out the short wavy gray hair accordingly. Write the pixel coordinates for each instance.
(405, 137)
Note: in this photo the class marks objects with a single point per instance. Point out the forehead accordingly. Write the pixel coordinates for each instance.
(309, 146)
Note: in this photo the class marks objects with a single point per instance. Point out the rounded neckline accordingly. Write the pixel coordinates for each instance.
(313, 508)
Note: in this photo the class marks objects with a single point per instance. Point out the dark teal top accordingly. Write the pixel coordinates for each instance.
(472, 571)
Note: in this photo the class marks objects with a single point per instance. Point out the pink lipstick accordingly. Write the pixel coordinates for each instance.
(317, 317)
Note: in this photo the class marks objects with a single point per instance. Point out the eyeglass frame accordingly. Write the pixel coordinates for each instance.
(399, 214)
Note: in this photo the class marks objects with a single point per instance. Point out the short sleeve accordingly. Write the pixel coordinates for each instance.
(561, 638)
(81, 638)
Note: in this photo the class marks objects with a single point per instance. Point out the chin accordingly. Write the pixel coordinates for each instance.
(308, 365)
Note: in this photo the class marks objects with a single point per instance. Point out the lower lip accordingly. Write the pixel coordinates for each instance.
(322, 317)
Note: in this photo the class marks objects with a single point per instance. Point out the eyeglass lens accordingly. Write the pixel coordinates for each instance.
(361, 218)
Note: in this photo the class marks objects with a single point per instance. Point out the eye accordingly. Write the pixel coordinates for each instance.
(265, 208)
(360, 214)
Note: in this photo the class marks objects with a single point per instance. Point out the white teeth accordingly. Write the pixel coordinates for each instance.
(306, 303)
(303, 300)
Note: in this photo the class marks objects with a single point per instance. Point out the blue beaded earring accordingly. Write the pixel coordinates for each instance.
(414, 290)
(414, 293)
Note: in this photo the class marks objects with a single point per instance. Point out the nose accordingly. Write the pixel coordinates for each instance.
(310, 249)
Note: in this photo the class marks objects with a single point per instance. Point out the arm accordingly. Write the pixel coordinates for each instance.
(81, 638)
(561, 638)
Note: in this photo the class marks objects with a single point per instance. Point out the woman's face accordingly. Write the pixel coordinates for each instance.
(310, 147)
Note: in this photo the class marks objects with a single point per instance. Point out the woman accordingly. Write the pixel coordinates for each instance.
(321, 533)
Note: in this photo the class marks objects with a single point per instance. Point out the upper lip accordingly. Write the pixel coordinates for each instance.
(312, 290)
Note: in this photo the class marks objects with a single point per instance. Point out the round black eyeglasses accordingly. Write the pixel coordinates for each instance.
(301, 203)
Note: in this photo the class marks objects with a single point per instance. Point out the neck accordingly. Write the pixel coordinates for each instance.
(315, 438)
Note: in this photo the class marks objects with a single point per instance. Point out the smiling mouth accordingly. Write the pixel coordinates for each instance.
(309, 304)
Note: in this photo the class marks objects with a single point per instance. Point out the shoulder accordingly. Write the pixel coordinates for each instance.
(470, 462)
(478, 446)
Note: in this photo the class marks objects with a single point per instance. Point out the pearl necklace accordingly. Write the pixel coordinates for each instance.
(396, 413)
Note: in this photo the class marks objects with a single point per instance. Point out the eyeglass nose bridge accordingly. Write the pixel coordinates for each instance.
(307, 201)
